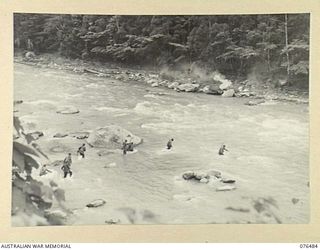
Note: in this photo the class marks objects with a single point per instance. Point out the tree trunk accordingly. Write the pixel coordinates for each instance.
(268, 54)
(287, 52)
(209, 29)
(117, 23)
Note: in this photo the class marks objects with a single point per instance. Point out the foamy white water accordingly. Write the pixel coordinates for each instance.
(268, 150)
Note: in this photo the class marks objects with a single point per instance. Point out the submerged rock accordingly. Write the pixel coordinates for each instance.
(112, 222)
(228, 181)
(111, 136)
(238, 209)
(80, 135)
(18, 102)
(68, 110)
(228, 93)
(59, 149)
(105, 152)
(96, 203)
(295, 200)
(56, 163)
(254, 102)
(60, 135)
(225, 188)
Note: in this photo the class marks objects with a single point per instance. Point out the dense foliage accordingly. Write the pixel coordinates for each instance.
(274, 45)
(34, 202)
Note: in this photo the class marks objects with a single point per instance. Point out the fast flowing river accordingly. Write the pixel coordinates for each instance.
(268, 150)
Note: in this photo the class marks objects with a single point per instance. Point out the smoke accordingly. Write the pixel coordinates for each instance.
(220, 78)
(193, 72)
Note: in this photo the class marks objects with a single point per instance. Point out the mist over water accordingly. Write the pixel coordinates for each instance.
(268, 147)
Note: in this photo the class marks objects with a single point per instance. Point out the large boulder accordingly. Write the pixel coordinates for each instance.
(111, 136)
(228, 93)
(188, 87)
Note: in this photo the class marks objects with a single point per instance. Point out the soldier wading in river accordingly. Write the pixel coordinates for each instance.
(81, 150)
(66, 168)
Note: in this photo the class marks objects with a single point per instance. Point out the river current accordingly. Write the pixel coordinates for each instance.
(268, 148)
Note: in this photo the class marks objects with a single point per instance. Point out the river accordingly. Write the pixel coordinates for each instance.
(268, 149)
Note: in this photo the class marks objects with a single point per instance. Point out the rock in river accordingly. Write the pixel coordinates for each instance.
(204, 180)
(238, 209)
(215, 173)
(254, 102)
(188, 175)
(56, 217)
(80, 135)
(188, 87)
(295, 200)
(96, 203)
(212, 90)
(225, 85)
(60, 135)
(111, 136)
(68, 110)
(228, 181)
(155, 84)
(200, 176)
(228, 93)
(173, 85)
(34, 135)
(225, 188)
(18, 102)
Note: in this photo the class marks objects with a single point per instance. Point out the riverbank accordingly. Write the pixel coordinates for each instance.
(194, 81)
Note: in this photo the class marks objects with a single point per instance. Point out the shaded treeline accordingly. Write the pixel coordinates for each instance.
(274, 46)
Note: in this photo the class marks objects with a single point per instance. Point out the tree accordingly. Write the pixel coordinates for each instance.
(286, 46)
(231, 44)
